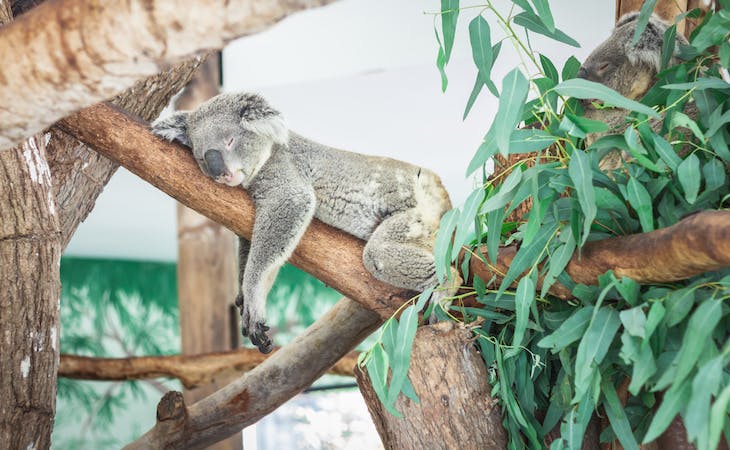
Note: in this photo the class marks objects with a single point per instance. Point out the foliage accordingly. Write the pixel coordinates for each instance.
(554, 363)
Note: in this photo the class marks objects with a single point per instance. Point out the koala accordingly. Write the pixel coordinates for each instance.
(240, 140)
(628, 69)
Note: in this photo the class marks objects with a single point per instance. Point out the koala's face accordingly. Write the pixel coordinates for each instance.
(625, 67)
(231, 136)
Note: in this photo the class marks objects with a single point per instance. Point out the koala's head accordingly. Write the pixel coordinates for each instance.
(231, 135)
(625, 67)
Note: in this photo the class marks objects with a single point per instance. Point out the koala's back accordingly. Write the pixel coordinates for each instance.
(355, 192)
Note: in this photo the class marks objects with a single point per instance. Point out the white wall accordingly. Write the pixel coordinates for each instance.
(360, 75)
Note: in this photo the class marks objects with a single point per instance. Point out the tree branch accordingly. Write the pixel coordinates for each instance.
(191, 370)
(260, 391)
(89, 51)
(699, 243)
(329, 254)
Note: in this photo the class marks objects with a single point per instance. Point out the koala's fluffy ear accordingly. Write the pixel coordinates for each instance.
(648, 49)
(260, 118)
(173, 128)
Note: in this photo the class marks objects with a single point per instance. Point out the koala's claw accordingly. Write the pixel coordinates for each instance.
(260, 339)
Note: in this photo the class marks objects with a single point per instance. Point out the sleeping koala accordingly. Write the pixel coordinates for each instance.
(630, 69)
(240, 140)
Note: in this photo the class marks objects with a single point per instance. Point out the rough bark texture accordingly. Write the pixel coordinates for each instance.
(455, 409)
(192, 370)
(697, 244)
(206, 267)
(327, 253)
(260, 391)
(29, 297)
(30, 288)
(86, 51)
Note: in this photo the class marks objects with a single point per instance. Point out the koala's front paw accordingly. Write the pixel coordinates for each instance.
(254, 328)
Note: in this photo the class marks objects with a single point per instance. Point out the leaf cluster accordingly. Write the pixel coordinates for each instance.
(639, 355)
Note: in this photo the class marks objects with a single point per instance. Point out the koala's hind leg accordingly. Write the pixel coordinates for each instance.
(400, 252)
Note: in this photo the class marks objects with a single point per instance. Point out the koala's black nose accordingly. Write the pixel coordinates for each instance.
(214, 161)
(583, 72)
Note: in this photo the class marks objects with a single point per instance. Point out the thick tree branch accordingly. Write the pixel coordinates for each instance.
(87, 51)
(325, 252)
(191, 370)
(699, 243)
(260, 391)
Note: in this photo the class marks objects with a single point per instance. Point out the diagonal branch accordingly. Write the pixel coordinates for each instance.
(260, 391)
(325, 252)
(86, 51)
(191, 370)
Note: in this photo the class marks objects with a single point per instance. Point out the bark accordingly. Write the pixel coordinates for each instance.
(29, 292)
(30, 254)
(86, 51)
(699, 243)
(206, 267)
(192, 370)
(260, 391)
(327, 253)
(455, 408)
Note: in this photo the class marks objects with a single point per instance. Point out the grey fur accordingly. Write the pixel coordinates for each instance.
(625, 67)
(396, 207)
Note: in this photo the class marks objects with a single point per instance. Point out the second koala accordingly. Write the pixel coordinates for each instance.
(239, 139)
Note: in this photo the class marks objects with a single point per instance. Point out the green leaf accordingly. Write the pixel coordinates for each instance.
(478, 85)
(617, 417)
(714, 173)
(441, 61)
(678, 305)
(581, 174)
(502, 195)
(481, 45)
(494, 232)
(646, 10)
(682, 120)
(514, 93)
(571, 68)
(400, 360)
(528, 255)
(689, 177)
(530, 140)
(558, 261)
(699, 84)
(377, 366)
(699, 329)
(640, 200)
(673, 400)
(523, 300)
(570, 331)
(666, 152)
(543, 11)
(466, 220)
(443, 243)
(634, 321)
(587, 125)
(593, 348)
(449, 17)
(549, 68)
(533, 23)
(713, 32)
(670, 40)
(704, 386)
(718, 416)
(584, 89)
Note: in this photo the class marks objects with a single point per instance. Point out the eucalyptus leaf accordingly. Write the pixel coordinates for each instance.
(617, 417)
(584, 89)
(582, 175)
(514, 93)
(532, 22)
(639, 199)
(570, 331)
(689, 177)
(647, 8)
(673, 400)
(523, 300)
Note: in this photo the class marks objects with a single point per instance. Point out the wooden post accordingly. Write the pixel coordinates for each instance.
(206, 266)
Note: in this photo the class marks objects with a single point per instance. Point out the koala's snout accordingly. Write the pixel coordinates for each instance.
(214, 162)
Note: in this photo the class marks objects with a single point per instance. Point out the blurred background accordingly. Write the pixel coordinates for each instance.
(358, 75)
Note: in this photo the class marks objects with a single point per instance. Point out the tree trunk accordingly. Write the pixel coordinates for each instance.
(30, 287)
(206, 267)
(455, 409)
